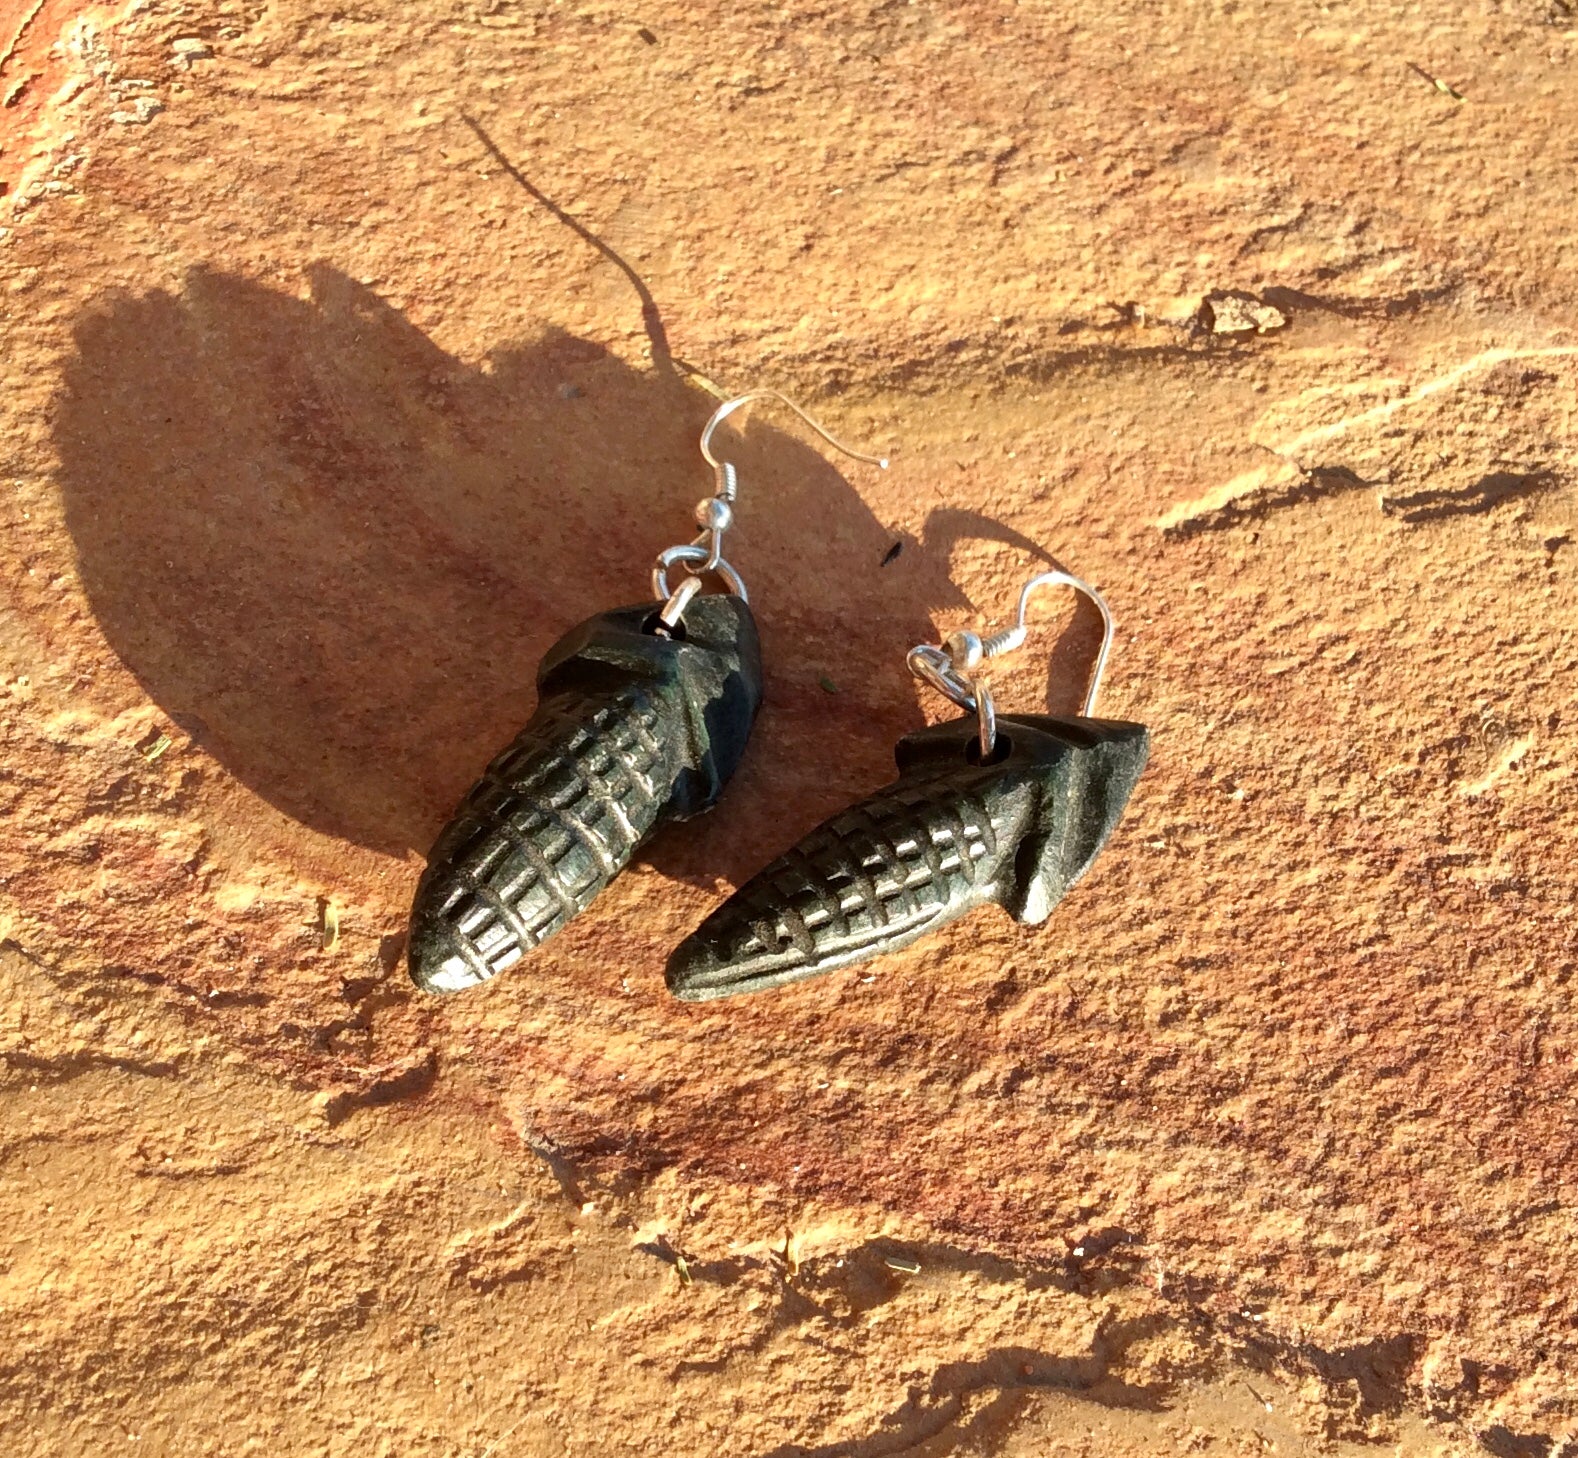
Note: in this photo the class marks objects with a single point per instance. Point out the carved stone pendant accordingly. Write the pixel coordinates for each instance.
(950, 834)
(632, 729)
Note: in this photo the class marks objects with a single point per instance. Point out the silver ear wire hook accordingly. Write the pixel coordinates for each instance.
(725, 410)
(715, 513)
(953, 668)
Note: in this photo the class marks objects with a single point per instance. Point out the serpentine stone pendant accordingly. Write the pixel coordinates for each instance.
(633, 729)
(949, 835)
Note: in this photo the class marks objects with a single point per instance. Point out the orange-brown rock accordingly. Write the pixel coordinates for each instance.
(355, 352)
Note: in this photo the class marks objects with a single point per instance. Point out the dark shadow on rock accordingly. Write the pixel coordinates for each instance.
(1066, 654)
(1377, 1371)
(870, 1275)
(1308, 483)
(723, 1272)
(334, 553)
(1504, 1443)
(1295, 301)
(1487, 493)
(946, 526)
(1375, 1377)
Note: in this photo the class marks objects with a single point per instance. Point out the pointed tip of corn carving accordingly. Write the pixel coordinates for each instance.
(703, 967)
(435, 958)
(693, 973)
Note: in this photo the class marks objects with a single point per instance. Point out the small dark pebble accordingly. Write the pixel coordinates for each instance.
(893, 554)
(570, 392)
(828, 686)
(647, 36)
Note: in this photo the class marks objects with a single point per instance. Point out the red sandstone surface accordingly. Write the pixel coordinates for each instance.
(354, 352)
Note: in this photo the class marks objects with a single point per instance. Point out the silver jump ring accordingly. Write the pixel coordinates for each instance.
(986, 717)
(933, 666)
(698, 558)
(973, 695)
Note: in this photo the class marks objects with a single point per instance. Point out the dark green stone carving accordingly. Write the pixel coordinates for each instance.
(632, 729)
(949, 835)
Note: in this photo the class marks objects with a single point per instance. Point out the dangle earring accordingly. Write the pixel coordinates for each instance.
(642, 717)
(1011, 810)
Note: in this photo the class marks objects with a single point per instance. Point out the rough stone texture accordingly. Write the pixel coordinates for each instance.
(322, 422)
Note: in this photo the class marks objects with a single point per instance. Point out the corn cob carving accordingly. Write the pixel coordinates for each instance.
(947, 836)
(632, 729)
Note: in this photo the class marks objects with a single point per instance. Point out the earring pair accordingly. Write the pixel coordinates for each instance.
(643, 715)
